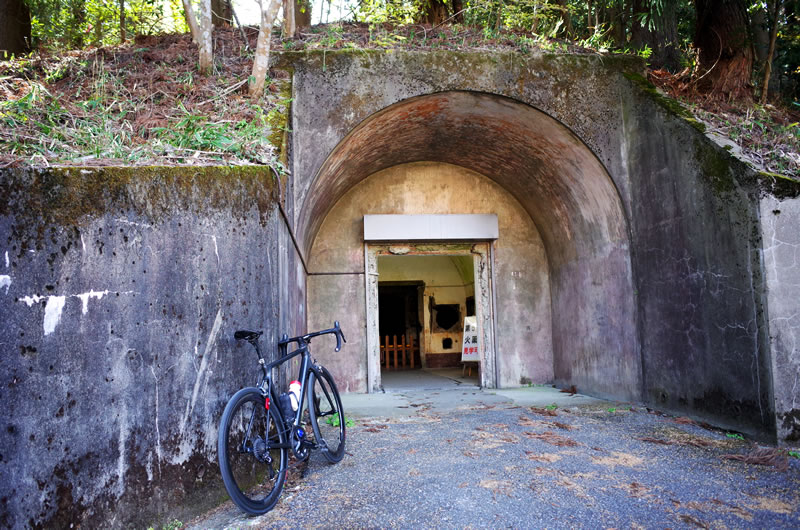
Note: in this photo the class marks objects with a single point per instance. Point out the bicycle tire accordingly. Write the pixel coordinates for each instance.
(253, 473)
(327, 417)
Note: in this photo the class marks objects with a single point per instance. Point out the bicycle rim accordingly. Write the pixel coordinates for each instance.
(327, 417)
(252, 468)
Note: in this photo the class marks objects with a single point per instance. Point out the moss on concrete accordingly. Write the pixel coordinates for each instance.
(68, 196)
(780, 186)
(715, 165)
(278, 119)
(670, 105)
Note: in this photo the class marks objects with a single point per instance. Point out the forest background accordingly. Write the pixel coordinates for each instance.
(187, 82)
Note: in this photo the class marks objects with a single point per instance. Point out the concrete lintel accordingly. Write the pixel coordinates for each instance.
(430, 227)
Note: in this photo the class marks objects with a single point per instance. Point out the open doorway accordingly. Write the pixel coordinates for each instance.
(423, 300)
(399, 324)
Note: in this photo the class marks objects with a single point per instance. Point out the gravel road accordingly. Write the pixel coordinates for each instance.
(464, 458)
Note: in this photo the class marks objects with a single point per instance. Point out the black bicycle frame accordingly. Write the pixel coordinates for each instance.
(265, 384)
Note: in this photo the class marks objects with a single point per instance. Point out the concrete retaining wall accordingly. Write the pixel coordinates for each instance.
(780, 224)
(120, 290)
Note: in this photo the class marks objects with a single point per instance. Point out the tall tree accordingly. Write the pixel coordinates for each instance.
(433, 12)
(269, 10)
(122, 34)
(296, 16)
(725, 53)
(221, 13)
(775, 7)
(655, 24)
(15, 27)
(201, 32)
(206, 58)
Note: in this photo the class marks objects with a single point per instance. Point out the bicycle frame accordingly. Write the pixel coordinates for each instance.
(296, 443)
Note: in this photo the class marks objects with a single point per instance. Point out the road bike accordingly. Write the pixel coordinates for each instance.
(259, 427)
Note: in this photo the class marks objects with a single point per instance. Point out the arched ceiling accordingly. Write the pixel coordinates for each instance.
(558, 180)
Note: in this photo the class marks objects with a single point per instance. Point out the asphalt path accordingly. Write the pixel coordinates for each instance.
(454, 456)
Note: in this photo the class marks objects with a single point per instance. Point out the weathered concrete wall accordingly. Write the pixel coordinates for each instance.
(121, 289)
(780, 222)
(656, 281)
(696, 247)
(523, 302)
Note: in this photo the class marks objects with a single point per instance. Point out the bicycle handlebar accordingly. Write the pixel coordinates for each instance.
(336, 330)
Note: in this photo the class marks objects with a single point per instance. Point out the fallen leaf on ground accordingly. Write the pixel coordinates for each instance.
(497, 486)
(763, 456)
(548, 458)
(652, 440)
(619, 459)
(772, 505)
(544, 412)
(688, 519)
(552, 438)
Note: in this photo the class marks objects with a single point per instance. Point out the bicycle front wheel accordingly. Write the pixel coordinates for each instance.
(327, 417)
(252, 451)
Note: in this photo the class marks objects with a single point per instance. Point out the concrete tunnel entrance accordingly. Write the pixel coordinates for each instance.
(563, 290)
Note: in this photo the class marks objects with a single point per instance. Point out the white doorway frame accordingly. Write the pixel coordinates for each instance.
(484, 300)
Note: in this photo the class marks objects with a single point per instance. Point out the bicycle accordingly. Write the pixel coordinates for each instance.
(258, 427)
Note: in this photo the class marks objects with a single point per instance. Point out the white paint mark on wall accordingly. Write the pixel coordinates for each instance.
(122, 466)
(5, 281)
(212, 337)
(7, 262)
(216, 250)
(30, 300)
(55, 305)
(83, 244)
(132, 223)
(159, 456)
(85, 298)
(52, 313)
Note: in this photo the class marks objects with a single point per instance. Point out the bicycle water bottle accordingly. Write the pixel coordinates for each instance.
(294, 394)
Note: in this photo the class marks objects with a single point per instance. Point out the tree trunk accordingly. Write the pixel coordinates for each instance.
(15, 27)
(191, 20)
(206, 58)
(220, 13)
(432, 12)
(122, 35)
(724, 50)
(302, 14)
(289, 24)
(615, 17)
(773, 36)
(759, 25)
(269, 10)
(458, 7)
(566, 19)
(661, 34)
(78, 9)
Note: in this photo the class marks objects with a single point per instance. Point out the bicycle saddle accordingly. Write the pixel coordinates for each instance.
(246, 334)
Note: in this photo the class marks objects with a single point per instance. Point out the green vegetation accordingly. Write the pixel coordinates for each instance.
(734, 436)
(334, 421)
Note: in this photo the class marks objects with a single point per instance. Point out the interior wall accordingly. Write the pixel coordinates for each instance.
(523, 293)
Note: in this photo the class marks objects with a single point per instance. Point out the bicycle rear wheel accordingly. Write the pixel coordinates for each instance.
(327, 417)
(252, 463)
